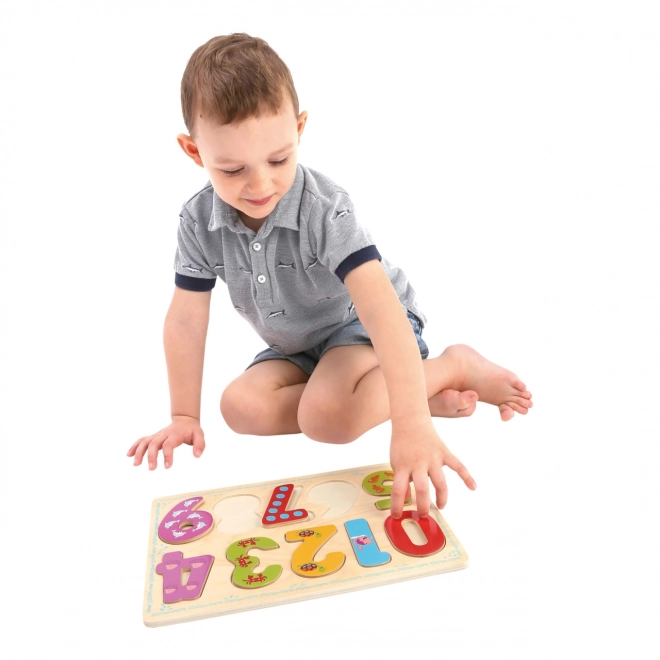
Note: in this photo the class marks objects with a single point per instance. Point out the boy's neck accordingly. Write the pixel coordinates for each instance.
(252, 223)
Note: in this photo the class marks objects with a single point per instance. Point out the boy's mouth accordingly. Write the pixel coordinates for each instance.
(259, 202)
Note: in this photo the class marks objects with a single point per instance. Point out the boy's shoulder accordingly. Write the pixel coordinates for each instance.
(200, 205)
(319, 185)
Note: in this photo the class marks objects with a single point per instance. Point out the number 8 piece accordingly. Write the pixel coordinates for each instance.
(271, 543)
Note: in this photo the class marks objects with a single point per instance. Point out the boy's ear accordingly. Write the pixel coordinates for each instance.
(302, 120)
(189, 148)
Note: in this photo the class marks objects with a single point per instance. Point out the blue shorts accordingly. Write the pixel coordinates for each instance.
(351, 334)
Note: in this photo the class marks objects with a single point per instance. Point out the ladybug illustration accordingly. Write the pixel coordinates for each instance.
(306, 532)
(308, 567)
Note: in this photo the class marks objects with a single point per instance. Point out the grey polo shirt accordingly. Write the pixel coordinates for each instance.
(287, 279)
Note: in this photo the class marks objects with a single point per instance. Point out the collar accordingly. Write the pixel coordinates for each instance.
(285, 214)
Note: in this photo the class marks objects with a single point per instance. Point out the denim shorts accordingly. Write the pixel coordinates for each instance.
(350, 334)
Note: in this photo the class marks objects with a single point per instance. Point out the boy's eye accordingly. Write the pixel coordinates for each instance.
(240, 169)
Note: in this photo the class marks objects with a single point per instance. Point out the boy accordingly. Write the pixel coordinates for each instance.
(343, 328)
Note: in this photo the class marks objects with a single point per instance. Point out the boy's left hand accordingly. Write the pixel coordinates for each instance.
(417, 453)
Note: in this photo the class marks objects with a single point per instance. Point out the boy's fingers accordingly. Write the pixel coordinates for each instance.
(141, 449)
(198, 443)
(421, 481)
(154, 447)
(399, 488)
(168, 453)
(461, 470)
(133, 447)
(440, 485)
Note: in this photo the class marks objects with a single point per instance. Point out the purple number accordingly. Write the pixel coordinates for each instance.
(172, 567)
(183, 524)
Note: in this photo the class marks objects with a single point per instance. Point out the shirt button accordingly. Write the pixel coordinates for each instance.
(261, 279)
(256, 246)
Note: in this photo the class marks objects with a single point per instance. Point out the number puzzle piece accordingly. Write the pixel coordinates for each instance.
(435, 538)
(243, 575)
(172, 567)
(183, 524)
(302, 561)
(374, 485)
(276, 513)
(364, 544)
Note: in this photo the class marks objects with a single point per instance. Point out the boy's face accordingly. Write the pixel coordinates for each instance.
(249, 162)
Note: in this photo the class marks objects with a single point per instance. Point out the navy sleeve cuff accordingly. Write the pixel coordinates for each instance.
(357, 259)
(193, 283)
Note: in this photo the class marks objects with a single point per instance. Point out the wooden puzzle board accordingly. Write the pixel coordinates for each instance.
(238, 519)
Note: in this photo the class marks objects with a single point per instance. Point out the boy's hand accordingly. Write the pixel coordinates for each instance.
(182, 430)
(417, 453)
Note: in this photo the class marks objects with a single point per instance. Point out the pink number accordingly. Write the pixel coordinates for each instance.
(172, 568)
(183, 524)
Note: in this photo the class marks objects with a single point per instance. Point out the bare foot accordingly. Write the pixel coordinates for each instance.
(451, 403)
(492, 383)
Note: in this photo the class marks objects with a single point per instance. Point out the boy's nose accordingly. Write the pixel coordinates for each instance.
(259, 184)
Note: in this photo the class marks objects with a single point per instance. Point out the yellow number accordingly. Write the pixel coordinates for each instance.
(302, 561)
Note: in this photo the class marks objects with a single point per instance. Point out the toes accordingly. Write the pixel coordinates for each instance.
(466, 412)
(523, 403)
(514, 406)
(467, 400)
(517, 393)
(517, 383)
(506, 412)
(520, 387)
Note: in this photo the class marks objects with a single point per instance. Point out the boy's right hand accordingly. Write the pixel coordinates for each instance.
(182, 430)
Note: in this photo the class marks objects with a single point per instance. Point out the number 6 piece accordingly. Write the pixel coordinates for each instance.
(235, 549)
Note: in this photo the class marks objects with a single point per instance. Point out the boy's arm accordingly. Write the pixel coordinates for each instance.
(184, 338)
(416, 451)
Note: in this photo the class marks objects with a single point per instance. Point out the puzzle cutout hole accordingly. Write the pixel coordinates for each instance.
(238, 513)
(185, 575)
(414, 532)
(338, 496)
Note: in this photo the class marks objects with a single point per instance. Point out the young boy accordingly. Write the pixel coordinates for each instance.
(343, 329)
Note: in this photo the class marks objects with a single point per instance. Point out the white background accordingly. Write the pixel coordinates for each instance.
(504, 154)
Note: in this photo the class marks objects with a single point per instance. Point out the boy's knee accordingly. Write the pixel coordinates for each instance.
(325, 420)
(244, 411)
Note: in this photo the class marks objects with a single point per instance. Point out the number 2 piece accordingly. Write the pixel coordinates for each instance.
(184, 524)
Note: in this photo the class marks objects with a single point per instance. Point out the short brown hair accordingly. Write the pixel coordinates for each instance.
(232, 78)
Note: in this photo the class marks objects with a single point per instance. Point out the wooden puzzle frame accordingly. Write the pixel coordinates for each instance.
(208, 577)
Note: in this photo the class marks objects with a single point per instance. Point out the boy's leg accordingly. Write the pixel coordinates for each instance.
(264, 399)
(347, 395)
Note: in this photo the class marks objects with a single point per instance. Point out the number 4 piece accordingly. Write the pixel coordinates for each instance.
(185, 523)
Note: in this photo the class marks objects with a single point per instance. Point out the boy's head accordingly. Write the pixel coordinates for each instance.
(241, 109)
